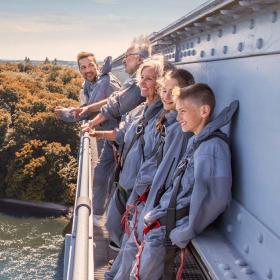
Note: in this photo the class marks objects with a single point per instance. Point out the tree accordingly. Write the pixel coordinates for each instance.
(5, 120)
(37, 152)
(47, 61)
(42, 171)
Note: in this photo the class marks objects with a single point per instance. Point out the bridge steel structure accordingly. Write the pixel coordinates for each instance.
(234, 46)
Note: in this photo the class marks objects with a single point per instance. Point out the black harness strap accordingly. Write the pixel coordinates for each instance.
(138, 133)
(140, 130)
(161, 190)
(158, 148)
(172, 214)
(122, 194)
(121, 198)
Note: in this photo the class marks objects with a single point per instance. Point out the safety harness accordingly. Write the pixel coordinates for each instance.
(122, 194)
(173, 215)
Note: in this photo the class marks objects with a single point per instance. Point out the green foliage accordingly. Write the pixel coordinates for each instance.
(37, 152)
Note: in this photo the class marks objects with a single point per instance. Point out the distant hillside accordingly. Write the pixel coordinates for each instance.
(72, 64)
(37, 152)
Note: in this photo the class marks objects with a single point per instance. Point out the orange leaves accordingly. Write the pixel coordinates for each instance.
(38, 152)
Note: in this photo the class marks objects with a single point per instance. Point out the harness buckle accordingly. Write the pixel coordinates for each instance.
(139, 128)
(182, 164)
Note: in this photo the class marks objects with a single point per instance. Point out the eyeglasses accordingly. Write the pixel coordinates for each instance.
(129, 54)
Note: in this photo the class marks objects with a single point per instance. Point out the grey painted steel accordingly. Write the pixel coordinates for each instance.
(234, 46)
(67, 244)
(80, 261)
(80, 264)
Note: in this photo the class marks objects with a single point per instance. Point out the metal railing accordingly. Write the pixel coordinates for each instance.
(78, 258)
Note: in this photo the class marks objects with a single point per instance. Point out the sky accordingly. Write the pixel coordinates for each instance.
(62, 28)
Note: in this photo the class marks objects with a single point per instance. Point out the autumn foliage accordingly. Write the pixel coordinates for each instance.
(38, 153)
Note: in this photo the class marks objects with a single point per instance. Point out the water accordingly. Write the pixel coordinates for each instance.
(31, 248)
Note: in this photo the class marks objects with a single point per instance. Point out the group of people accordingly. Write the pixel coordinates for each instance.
(165, 164)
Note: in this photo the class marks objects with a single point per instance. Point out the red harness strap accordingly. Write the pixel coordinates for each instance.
(183, 254)
(130, 210)
(138, 258)
(143, 197)
(140, 247)
(151, 226)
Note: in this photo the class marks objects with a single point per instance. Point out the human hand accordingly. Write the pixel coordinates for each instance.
(85, 128)
(58, 110)
(92, 133)
(76, 112)
(89, 124)
(83, 111)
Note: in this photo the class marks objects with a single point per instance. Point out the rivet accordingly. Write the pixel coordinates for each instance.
(247, 270)
(274, 16)
(193, 52)
(220, 33)
(259, 43)
(202, 53)
(225, 49)
(234, 29)
(198, 40)
(239, 217)
(240, 47)
(189, 52)
(230, 274)
(246, 248)
(260, 238)
(185, 53)
(208, 37)
(223, 266)
(213, 52)
(252, 23)
(269, 273)
(240, 262)
(229, 227)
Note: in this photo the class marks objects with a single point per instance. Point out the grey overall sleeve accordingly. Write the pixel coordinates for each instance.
(124, 101)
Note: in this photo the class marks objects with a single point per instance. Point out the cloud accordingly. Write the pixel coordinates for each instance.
(104, 2)
(40, 24)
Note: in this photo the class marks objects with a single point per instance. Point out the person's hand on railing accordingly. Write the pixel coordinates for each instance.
(89, 125)
(92, 132)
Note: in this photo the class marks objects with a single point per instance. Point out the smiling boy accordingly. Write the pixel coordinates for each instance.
(200, 189)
